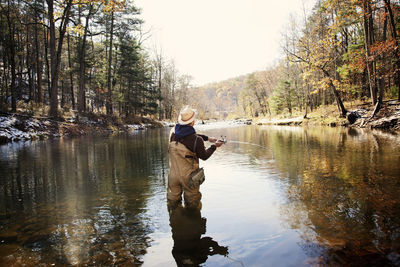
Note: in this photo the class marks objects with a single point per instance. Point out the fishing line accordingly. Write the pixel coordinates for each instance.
(248, 143)
(223, 139)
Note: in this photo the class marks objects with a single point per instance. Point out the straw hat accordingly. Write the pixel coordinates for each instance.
(186, 115)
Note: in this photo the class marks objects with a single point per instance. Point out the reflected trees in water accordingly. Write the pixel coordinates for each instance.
(79, 201)
(343, 194)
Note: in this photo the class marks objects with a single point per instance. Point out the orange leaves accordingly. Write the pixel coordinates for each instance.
(383, 48)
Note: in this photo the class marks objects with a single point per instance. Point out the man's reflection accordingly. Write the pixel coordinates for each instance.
(190, 249)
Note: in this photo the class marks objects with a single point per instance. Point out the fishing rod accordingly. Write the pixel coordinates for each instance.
(225, 141)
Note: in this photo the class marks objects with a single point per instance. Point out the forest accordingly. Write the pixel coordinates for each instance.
(59, 58)
(344, 51)
(75, 56)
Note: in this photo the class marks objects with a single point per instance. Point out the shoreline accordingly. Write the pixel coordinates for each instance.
(16, 127)
(388, 118)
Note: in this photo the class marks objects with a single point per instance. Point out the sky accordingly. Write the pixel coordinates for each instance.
(214, 40)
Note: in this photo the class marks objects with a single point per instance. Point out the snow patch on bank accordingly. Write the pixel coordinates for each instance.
(135, 127)
(15, 129)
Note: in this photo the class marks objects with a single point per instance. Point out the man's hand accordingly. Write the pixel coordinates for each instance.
(212, 139)
(219, 143)
(216, 142)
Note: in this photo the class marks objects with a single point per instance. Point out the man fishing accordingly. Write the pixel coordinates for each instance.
(185, 149)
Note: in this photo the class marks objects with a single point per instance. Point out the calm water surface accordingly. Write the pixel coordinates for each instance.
(273, 196)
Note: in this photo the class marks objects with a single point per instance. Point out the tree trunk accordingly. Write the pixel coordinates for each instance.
(30, 82)
(46, 52)
(20, 67)
(3, 100)
(82, 67)
(289, 98)
(62, 94)
(55, 52)
(38, 69)
(159, 82)
(11, 41)
(342, 109)
(109, 82)
(71, 78)
(381, 81)
(368, 37)
(13, 77)
(29, 64)
(53, 63)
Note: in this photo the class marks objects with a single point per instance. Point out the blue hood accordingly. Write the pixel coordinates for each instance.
(183, 130)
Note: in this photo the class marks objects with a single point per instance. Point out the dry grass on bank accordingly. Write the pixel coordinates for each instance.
(329, 114)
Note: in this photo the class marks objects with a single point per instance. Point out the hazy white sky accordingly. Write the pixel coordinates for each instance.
(213, 40)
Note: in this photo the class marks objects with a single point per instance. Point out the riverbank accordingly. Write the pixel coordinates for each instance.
(19, 127)
(387, 118)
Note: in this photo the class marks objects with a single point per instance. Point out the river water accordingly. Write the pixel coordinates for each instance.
(273, 196)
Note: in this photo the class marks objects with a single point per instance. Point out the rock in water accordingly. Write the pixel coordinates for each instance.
(353, 116)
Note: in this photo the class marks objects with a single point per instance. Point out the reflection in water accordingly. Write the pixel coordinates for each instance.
(190, 249)
(79, 201)
(320, 196)
(344, 191)
(341, 188)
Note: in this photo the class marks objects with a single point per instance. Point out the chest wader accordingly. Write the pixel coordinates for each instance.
(182, 162)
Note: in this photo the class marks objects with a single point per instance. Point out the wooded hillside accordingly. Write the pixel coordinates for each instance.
(342, 51)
